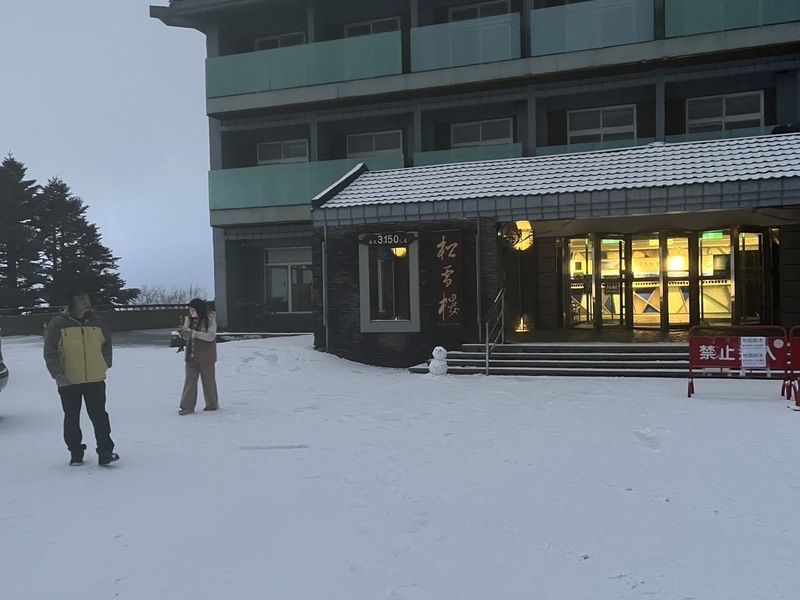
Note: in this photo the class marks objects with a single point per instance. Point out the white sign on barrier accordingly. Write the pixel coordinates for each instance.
(754, 352)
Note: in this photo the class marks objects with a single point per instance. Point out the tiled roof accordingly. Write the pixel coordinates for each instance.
(654, 165)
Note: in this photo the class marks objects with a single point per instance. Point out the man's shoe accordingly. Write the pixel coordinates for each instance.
(211, 408)
(185, 411)
(106, 458)
(76, 456)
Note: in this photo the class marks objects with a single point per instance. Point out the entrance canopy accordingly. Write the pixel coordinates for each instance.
(755, 174)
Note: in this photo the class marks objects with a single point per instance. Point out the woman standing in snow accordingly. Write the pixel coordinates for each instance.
(200, 332)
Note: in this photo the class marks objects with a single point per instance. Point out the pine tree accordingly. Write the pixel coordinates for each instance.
(20, 275)
(74, 255)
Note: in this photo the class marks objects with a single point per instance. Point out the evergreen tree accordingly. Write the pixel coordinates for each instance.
(20, 275)
(74, 255)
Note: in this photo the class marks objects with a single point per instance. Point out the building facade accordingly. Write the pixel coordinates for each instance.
(300, 92)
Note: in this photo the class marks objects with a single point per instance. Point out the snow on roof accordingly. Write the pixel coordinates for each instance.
(655, 165)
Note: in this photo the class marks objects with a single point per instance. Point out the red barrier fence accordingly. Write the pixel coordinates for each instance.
(741, 351)
(794, 365)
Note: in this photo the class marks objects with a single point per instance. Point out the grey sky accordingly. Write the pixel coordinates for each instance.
(100, 95)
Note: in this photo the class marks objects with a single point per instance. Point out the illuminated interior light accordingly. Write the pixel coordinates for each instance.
(676, 263)
(525, 240)
(400, 251)
(517, 235)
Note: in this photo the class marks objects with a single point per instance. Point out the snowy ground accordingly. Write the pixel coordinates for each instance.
(321, 478)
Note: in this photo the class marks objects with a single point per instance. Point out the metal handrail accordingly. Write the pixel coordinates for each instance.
(495, 324)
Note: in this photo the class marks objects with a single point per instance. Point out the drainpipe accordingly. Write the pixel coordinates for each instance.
(325, 277)
(479, 318)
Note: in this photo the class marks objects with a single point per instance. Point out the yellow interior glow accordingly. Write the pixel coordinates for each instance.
(525, 235)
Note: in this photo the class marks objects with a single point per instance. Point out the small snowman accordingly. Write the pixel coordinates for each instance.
(438, 364)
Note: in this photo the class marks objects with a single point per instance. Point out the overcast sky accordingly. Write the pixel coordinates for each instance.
(111, 101)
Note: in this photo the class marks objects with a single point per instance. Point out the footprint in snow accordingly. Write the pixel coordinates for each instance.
(651, 439)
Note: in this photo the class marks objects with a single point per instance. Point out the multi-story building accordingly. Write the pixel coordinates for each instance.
(299, 92)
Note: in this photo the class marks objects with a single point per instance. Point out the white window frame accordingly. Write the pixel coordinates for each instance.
(282, 160)
(477, 6)
(288, 266)
(375, 152)
(724, 120)
(281, 38)
(601, 131)
(412, 325)
(371, 23)
(482, 142)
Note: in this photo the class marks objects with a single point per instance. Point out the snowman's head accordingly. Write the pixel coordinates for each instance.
(439, 353)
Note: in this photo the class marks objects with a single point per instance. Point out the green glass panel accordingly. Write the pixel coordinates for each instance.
(595, 24)
(592, 146)
(470, 42)
(779, 11)
(688, 17)
(469, 154)
(360, 57)
(719, 135)
(284, 185)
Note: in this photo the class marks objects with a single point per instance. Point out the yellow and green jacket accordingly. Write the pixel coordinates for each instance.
(77, 349)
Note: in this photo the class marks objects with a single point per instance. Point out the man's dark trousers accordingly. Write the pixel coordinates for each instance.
(94, 394)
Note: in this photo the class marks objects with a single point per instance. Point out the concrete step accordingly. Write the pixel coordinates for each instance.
(639, 360)
(583, 357)
(591, 359)
(555, 371)
(585, 348)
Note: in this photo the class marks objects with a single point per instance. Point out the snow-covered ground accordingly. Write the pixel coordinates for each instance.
(321, 478)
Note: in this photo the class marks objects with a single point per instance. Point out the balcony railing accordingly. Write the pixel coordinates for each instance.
(595, 24)
(346, 59)
(469, 42)
(720, 135)
(284, 185)
(592, 146)
(468, 154)
(688, 17)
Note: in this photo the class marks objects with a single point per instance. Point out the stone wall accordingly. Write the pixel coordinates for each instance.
(343, 335)
(789, 276)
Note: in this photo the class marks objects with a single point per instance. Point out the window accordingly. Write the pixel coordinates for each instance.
(287, 279)
(372, 27)
(280, 41)
(389, 285)
(289, 151)
(481, 133)
(477, 11)
(604, 124)
(721, 113)
(379, 142)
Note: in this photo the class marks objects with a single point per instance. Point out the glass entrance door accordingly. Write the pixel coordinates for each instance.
(646, 280)
(664, 279)
(613, 267)
(679, 298)
(581, 295)
(751, 298)
(716, 283)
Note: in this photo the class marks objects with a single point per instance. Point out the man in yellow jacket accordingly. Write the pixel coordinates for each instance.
(77, 351)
